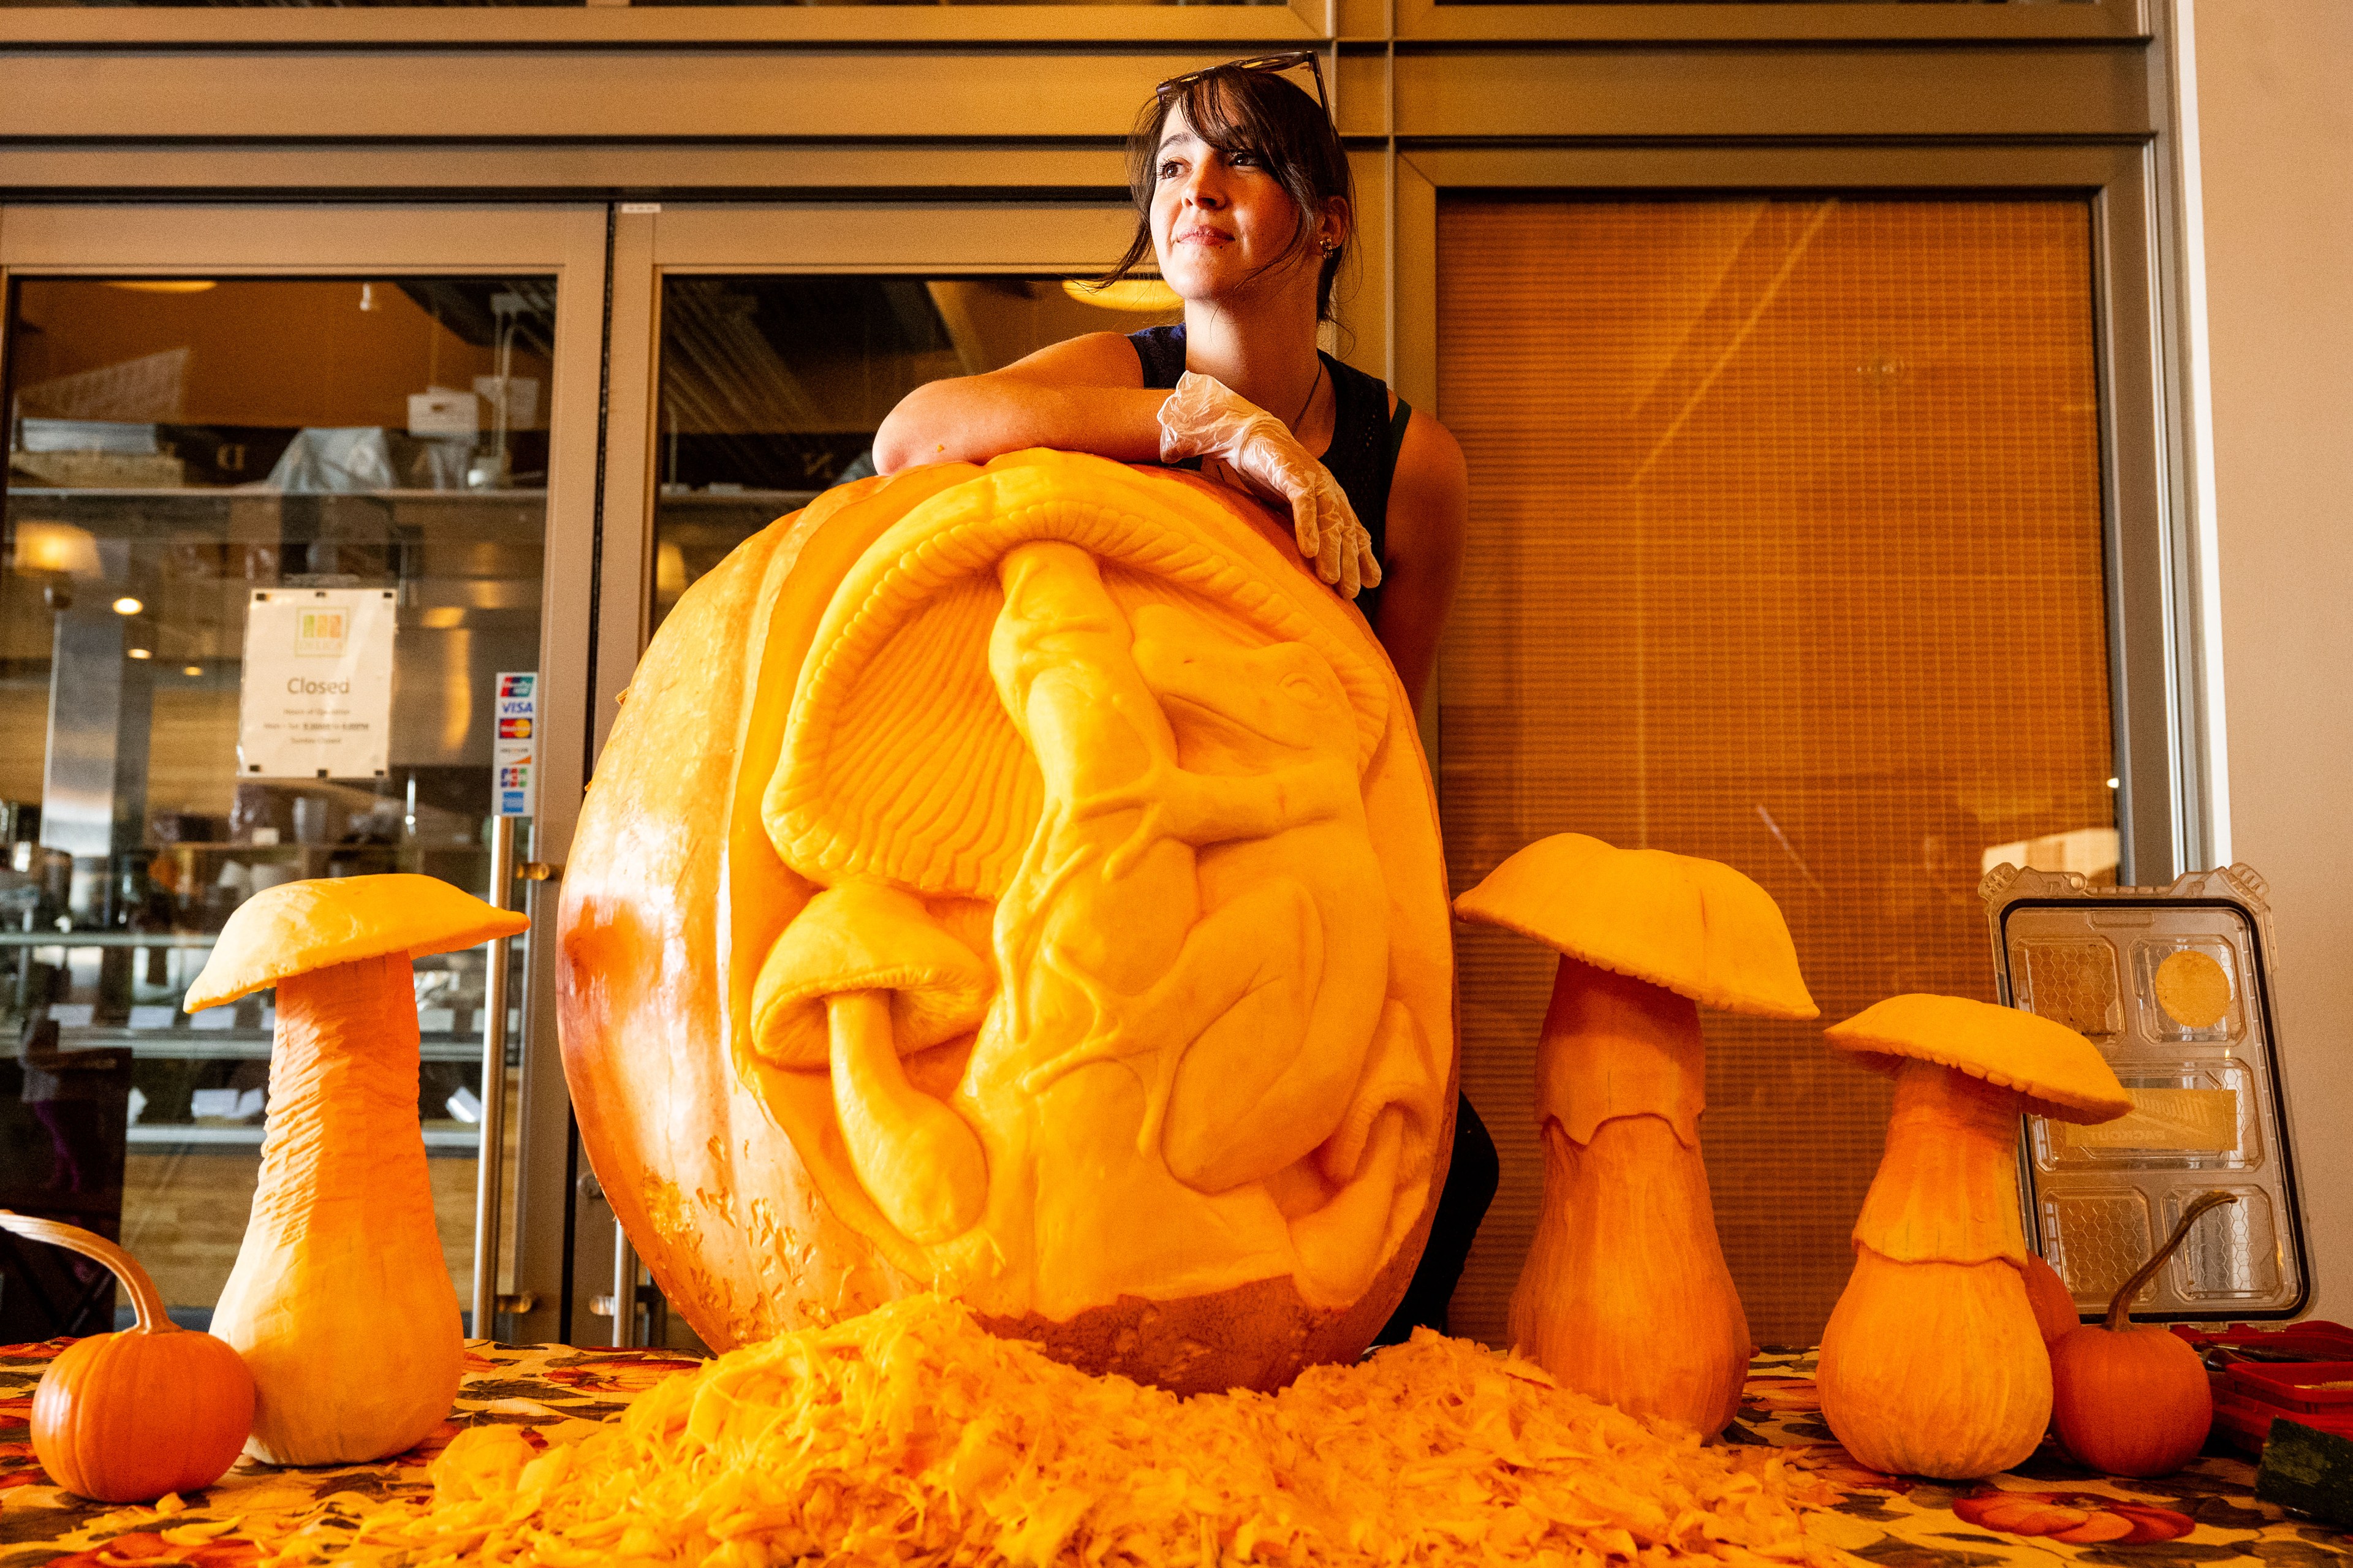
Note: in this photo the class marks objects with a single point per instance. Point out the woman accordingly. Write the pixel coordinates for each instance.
(1244, 196)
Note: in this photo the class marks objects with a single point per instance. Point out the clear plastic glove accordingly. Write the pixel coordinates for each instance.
(1205, 418)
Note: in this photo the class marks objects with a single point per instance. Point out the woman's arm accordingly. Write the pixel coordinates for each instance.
(1430, 509)
(1085, 395)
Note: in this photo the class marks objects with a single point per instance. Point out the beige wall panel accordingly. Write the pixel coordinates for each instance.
(1893, 92)
(520, 95)
(836, 93)
(489, 172)
(2275, 138)
(1746, 19)
(601, 24)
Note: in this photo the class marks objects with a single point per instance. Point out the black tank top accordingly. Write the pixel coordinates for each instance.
(1364, 435)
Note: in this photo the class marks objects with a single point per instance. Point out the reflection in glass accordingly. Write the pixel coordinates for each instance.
(176, 446)
(772, 387)
(1786, 552)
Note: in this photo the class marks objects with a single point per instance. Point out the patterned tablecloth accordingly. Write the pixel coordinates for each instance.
(2047, 1509)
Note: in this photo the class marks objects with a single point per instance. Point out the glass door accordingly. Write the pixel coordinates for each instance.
(758, 350)
(214, 473)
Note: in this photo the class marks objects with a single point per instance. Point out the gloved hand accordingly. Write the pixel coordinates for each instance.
(1204, 418)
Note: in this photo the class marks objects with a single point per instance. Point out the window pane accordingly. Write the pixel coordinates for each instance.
(1786, 552)
(772, 387)
(176, 449)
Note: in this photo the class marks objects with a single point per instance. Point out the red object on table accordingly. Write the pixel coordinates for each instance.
(2250, 1395)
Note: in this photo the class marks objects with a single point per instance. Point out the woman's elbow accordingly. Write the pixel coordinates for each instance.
(904, 437)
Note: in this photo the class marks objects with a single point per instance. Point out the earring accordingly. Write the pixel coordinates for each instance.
(1330, 246)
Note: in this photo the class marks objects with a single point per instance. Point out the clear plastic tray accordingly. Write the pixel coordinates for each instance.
(2173, 986)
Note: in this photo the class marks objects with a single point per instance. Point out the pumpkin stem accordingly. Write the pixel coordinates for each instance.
(2119, 1314)
(144, 1298)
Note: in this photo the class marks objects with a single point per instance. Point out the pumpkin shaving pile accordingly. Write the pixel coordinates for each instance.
(911, 1436)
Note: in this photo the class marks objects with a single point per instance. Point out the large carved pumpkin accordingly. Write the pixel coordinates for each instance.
(1021, 882)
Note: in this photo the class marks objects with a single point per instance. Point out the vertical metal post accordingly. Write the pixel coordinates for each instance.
(490, 1163)
(624, 1288)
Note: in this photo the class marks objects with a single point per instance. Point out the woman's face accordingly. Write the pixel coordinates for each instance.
(1222, 221)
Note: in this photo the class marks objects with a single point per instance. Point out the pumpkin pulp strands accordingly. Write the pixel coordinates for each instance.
(342, 1264)
(123, 1417)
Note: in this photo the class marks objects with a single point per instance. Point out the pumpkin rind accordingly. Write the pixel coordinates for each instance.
(340, 1301)
(2135, 1403)
(127, 1416)
(1934, 1369)
(728, 1165)
(2054, 1307)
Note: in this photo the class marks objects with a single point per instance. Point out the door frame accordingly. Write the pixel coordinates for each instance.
(567, 242)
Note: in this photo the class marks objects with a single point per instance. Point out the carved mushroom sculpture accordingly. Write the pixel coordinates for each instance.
(340, 1301)
(862, 978)
(1625, 1294)
(1934, 1363)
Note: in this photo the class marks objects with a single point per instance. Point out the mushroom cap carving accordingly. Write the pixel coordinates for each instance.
(1697, 928)
(297, 927)
(865, 936)
(2058, 1071)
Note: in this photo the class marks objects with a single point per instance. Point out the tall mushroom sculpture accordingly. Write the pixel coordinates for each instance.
(340, 1301)
(1933, 1363)
(1625, 1294)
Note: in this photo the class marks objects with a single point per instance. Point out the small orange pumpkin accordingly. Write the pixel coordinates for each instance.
(127, 1417)
(2055, 1306)
(2133, 1401)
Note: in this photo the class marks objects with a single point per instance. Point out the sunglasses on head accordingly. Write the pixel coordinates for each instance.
(1272, 64)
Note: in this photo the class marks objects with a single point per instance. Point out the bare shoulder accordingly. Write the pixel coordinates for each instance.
(1430, 494)
(1092, 359)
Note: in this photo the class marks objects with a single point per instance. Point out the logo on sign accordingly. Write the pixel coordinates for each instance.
(320, 633)
(515, 729)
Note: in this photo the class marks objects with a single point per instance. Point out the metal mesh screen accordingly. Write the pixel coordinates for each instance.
(1786, 552)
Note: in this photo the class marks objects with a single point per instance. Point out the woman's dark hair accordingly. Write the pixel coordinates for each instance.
(1254, 112)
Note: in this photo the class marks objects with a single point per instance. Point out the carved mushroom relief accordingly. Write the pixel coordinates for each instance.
(1625, 1294)
(1021, 882)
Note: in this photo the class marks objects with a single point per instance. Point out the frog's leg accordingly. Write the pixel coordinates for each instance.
(1242, 985)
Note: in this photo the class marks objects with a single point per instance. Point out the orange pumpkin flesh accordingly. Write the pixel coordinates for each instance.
(727, 1159)
(1625, 1294)
(2134, 1401)
(129, 1416)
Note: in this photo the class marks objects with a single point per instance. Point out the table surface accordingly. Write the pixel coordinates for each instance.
(2048, 1509)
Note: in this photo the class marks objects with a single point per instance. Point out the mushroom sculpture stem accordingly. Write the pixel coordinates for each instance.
(1654, 1324)
(343, 1204)
(922, 1161)
(340, 1301)
(1933, 1363)
(1625, 1294)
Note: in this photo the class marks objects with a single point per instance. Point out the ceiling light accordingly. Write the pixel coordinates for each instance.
(192, 669)
(162, 284)
(140, 652)
(126, 605)
(2112, 783)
